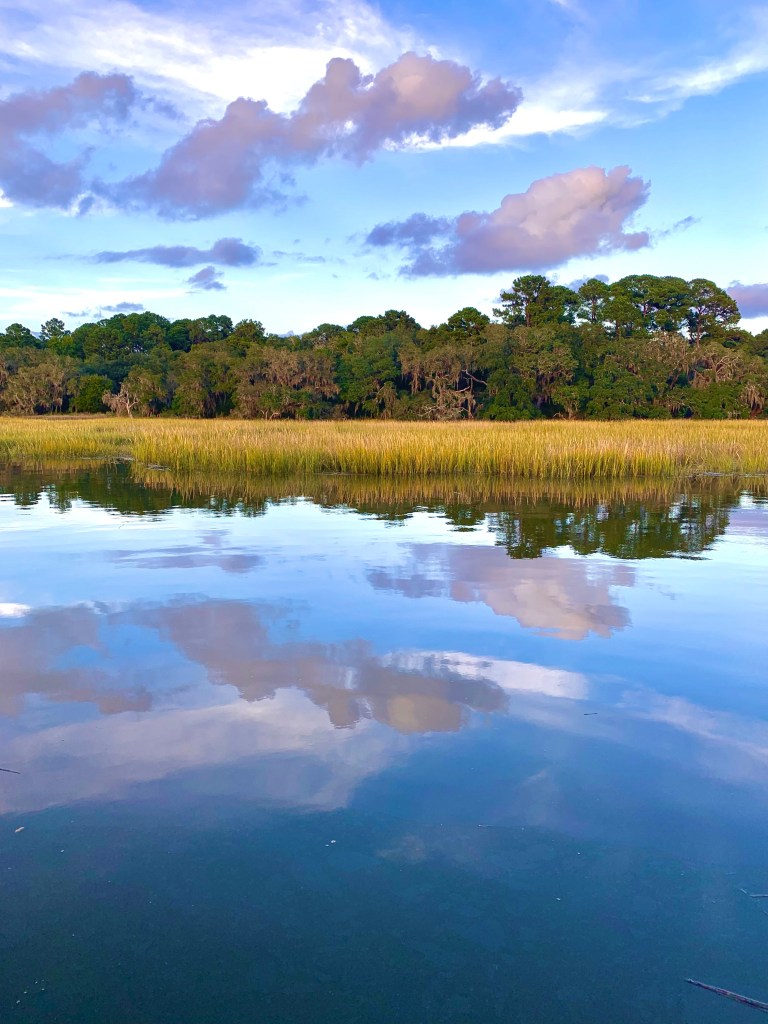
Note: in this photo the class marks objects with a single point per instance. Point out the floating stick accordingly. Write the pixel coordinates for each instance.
(730, 995)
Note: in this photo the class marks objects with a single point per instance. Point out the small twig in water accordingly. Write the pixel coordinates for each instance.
(755, 895)
(10, 771)
(755, 1003)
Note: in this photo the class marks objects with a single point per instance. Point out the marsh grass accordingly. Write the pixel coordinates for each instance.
(551, 450)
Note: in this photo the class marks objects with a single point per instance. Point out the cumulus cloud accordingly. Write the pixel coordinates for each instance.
(227, 252)
(752, 299)
(220, 165)
(207, 280)
(580, 213)
(27, 174)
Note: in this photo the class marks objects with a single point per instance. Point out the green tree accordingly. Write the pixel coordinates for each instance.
(89, 391)
(710, 312)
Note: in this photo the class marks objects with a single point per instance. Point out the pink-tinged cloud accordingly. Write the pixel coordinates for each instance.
(752, 299)
(221, 164)
(579, 213)
(27, 174)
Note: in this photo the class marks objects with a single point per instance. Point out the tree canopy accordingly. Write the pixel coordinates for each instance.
(643, 346)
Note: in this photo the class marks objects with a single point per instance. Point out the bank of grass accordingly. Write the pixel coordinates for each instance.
(555, 450)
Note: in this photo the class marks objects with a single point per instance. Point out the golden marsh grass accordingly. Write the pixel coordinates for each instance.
(551, 450)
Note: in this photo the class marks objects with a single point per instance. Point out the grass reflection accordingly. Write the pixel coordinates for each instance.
(629, 520)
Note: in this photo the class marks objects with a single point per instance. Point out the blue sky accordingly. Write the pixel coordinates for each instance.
(444, 150)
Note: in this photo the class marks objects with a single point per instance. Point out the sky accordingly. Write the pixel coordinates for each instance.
(301, 161)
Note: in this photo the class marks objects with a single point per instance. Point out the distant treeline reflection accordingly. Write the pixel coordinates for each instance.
(630, 521)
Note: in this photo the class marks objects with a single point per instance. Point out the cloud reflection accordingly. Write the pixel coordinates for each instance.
(212, 551)
(294, 723)
(55, 653)
(410, 692)
(277, 752)
(569, 598)
(79, 655)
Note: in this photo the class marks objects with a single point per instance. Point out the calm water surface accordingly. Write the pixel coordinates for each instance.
(355, 759)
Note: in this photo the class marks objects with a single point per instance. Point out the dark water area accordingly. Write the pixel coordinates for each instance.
(362, 753)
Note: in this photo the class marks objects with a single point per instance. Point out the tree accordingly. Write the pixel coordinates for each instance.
(89, 393)
(18, 336)
(274, 383)
(367, 377)
(204, 382)
(52, 330)
(468, 322)
(593, 295)
(142, 392)
(533, 301)
(710, 310)
(644, 346)
(40, 386)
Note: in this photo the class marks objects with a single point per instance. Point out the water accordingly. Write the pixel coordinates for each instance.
(361, 757)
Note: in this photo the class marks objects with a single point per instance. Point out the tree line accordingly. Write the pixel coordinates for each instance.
(644, 346)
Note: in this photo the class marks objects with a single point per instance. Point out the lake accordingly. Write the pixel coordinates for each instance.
(349, 752)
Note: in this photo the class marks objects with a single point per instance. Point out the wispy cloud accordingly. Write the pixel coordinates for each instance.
(124, 307)
(746, 55)
(684, 224)
(278, 48)
(228, 252)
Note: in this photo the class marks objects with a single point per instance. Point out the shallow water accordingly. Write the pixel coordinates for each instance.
(365, 758)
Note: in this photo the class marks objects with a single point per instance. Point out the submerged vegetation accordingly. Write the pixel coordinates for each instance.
(643, 347)
(558, 450)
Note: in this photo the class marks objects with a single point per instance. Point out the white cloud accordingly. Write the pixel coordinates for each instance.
(273, 51)
(748, 56)
(35, 303)
(529, 119)
(9, 610)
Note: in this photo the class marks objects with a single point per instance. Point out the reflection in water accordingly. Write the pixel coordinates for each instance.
(626, 520)
(211, 551)
(408, 691)
(565, 597)
(53, 652)
(687, 525)
(276, 753)
(280, 751)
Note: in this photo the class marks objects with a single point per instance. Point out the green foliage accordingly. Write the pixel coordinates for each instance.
(643, 347)
(89, 392)
(18, 336)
